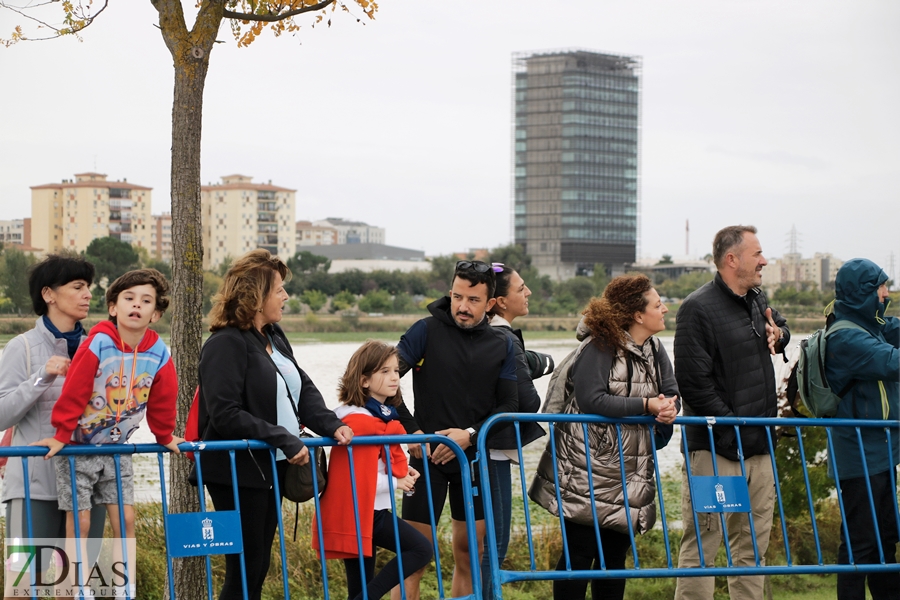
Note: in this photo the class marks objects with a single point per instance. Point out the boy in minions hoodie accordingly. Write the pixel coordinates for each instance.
(121, 372)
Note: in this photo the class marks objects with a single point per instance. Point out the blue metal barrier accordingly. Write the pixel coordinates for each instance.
(175, 524)
(501, 576)
(181, 529)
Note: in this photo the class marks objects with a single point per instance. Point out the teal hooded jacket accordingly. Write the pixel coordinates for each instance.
(868, 361)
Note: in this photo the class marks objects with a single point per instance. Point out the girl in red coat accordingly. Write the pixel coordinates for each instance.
(369, 391)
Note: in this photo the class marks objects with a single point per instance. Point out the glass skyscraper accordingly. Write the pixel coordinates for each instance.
(576, 153)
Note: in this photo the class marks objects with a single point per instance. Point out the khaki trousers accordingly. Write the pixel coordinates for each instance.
(761, 484)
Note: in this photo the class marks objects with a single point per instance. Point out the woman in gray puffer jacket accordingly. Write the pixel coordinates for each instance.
(32, 370)
(624, 371)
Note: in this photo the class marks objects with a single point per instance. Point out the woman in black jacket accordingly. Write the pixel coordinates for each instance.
(251, 388)
(511, 301)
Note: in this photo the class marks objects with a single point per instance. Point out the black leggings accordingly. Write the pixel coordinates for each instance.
(415, 551)
(259, 520)
(584, 555)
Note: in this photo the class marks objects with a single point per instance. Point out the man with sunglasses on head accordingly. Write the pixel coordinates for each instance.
(464, 371)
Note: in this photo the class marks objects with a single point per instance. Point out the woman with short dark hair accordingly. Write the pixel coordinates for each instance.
(32, 371)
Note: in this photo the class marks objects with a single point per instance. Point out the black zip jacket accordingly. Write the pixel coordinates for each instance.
(460, 376)
(723, 366)
(238, 388)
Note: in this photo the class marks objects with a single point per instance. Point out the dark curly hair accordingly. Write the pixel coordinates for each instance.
(610, 316)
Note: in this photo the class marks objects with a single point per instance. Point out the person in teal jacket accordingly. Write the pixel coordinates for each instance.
(866, 363)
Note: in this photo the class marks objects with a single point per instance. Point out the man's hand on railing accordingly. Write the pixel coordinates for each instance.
(54, 444)
(343, 435)
(442, 454)
(173, 445)
(415, 450)
(301, 458)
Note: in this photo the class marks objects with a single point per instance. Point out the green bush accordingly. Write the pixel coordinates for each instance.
(378, 301)
(314, 299)
(343, 300)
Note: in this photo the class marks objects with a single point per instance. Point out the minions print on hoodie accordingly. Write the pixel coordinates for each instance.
(110, 387)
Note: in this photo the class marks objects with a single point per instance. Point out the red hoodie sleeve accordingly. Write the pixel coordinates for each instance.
(161, 404)
(399, 465)
(76, 393)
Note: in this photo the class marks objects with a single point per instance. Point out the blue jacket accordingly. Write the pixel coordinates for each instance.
(869, 362)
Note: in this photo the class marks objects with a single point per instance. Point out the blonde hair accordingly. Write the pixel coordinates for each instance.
(247, 284)
(367, 359)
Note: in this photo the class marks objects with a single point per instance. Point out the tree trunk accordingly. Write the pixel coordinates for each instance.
(190, 54)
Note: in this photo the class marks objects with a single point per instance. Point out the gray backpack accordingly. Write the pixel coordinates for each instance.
(559, 390)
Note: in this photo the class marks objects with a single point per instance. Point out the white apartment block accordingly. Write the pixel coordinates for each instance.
(353, 232)
(71, 214)
(308, 234)
(161, 237)
(238, 216)
(820, 270)
(12, 231)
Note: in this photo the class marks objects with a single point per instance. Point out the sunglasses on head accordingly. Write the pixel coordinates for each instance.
(478, 266)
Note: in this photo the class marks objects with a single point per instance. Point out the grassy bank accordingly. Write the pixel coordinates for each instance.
(305, 578)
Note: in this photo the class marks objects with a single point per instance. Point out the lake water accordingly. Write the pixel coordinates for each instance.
(325, 364)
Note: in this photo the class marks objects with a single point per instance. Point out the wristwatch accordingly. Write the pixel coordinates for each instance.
(472, 435)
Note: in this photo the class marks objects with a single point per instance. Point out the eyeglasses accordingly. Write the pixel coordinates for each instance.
(478, 266)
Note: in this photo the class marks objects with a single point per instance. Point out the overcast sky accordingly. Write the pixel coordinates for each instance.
(771, 113)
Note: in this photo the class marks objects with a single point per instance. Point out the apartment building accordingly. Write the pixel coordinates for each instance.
(353, 232)
(308, 234)
(239, 215)
(13, 231)
(70, 214)
(161, 237)
(820, 270)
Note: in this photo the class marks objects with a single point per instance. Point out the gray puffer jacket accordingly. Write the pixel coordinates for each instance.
(27, 396)
(612, 384)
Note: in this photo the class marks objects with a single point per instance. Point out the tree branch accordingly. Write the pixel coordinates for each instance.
(79, 22)
(271, 18)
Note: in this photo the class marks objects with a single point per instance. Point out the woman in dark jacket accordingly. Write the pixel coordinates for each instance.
(511, 301)
(252, 388)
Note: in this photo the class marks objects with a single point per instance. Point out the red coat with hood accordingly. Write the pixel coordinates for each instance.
(338, 527)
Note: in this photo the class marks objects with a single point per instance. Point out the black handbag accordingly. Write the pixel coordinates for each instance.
(298, 479)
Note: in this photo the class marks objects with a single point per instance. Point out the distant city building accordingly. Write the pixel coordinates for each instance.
(818, 271)
(161, 237)
(576, 147)
(71, 214)
(671, 270)
(372, 257)
(13, 231)
(308, 234)
(353, 232)
(238, 216)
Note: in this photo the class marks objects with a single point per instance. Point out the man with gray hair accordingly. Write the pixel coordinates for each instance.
(725, 335)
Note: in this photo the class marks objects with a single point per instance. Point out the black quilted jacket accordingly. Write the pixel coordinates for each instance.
(723, 366)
